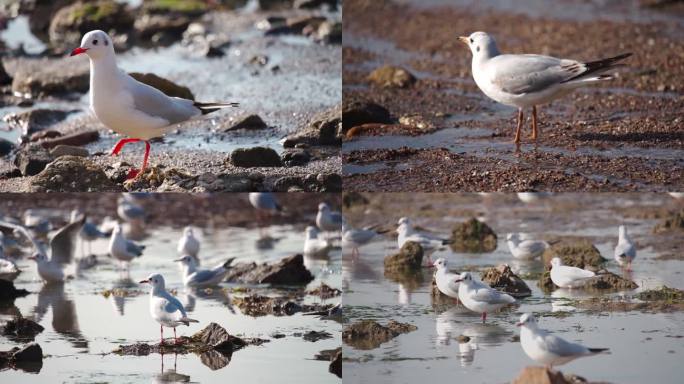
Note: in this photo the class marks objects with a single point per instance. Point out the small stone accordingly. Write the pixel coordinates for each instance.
(255, 157)
(246, 122)
(296, 157)
(357, 113)
(390, 76)
(32, 160)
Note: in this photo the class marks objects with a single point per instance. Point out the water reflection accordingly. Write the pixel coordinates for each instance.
(171, 375)
(117, 299)
(64, 318)
(486, 334)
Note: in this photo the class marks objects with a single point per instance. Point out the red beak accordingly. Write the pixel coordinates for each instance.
(78, 51)
(144, 281)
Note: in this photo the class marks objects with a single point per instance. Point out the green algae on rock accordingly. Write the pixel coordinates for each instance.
(368, 334)
(410, 257)
(473, 236)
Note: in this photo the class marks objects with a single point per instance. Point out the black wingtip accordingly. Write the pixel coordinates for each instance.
(598, 350)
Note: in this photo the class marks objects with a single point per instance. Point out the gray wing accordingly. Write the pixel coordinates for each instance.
(518, 74)
(174, 305)
(562, 347)
(360, 235)
(626, 249)
(63, 244)
(490, 295)
(336, 217)
(91, 231)
(134, 248)
(532, 247)
(204, 275)
(153, 102)
(11, 226)
(133, 211)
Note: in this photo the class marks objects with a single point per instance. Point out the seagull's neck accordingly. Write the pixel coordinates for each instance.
(623, 234)
(104, 72)
(189, 269)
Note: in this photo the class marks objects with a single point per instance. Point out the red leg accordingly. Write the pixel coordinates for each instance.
(134, 172)
(120, 144)
(161, 329)
(484, 317)
(175, 340)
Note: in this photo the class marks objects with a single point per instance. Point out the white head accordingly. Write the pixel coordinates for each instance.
(440, 264)
(311, 232)
(323, 207)
(186, 261)
(481, 45)
(38, 257)
(404, 220)
(155, 280)
(96, 44)
(527, 320)
(74, 215)
(118, 229)
(187, 231)
(514, 237)
(466, 278)
(556, 262)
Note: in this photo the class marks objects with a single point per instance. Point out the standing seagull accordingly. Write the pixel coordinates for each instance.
(625, 251)
(529, 80)
(264, 202)
(314, 245)
(480, 297)
(407, 233)
(122, 249)
(447, 282)
(165, 308)
(89, 232)
(62, 247)
(566, 276)
(355, 238)
(547, 349)
(128, 106)
(525, 249)
(202, 278)
(327, 220)
(189, 245)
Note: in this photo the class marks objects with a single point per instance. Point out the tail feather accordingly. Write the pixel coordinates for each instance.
(213, 107)
(594, 67)
(227, 265)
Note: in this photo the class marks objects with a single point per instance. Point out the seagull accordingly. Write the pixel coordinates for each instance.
(89, 232)
(625, 250)
(62, 246)
(326, 220)
(525, 249)
(38, 224)
(165, 308)
(532, 197)
(122, 249)
(128, 106)
(543, 347)
(447, 282)
(526, 81)
(7, 266)
(427, 242)
(313, 244)
(355, 238)
(129, 211)
(479, 297)
(202, 278)
(189, 245)
(565, 276)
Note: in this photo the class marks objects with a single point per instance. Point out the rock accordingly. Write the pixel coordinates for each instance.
(215, 360)
(325, 128)
(663, 293)
(6, 147)
(70, 23)
(75, 139)
(32, 159)
(287, 183)
(288, 271)
(463, 339)
(4, 77)
(390, 76)
(503, 279)
(9, 292)
(410, 257)
(545, 282)
(255, 157)
(314, 336)
(327, 32)
(351, 199)
(368, 334)
(22, 328)
(357, 113)
(610, 280)
(674, 221)
(166, 86)
(203, 43)
(473, 236)
(68, 150)
(325, 292)
(540, 375)
(257, 305)
(219, 339)
(72, 174)
(29, 358)
(335, 366)
(34, 120)
(296, 157)
(577, 253)
(161, 29)
(246, 122)
(44, 135)
(58, 77)
(270, 5)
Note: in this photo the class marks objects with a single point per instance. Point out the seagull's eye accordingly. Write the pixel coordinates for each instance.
(95, 42)
(472, 41)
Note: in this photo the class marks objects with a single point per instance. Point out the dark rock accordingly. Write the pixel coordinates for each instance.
(72, 174)
(215, 360)
(503, 279)
(410, 257)
(246, 122)
(463, 339)
(390, 76)
(357, 113)
(29, 358)
(296, 157)
(286, 183)
(314, 336)
(219, 339)
(329, 182)
(335, 366)
(288, 271)
(270, 5)
(257, 305)
(324, 129)
(311, 4)
(473, 236)
(68, 150)
(22, 328)
(34, 120)
(166, 86)
(44, 135)
(610, 280)
(32, 159)
(74, 139)
(350, 199)
(663, 293)
(39, 78)
(325, 292)
(4, 77)
(255, 157)
(6, 147)
(545, 282)
(368, 334)
(576, 253)
(673, 221)
(9, 292)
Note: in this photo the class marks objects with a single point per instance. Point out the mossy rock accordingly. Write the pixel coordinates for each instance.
(409, 258)
(545, 282)
(390, 76)
(473, 236)
(188, 7)
(369, 334)
(72, 174)
(503, 279)
(663, 293)
(576, 253)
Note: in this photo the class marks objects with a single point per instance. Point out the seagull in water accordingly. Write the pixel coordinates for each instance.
(265, 203)
(543, 347)
(327, 220)
(407, 233)
(625, 251)
(89, 232)
(525, 249)
(525, 81)
(164, 308)
(128, 106)
(447, 282)
(313, 244)
(62, 247)
(355, 238)
(480, 297)
(202, 278)
(565, 276)
(122, 249)
(188, 245)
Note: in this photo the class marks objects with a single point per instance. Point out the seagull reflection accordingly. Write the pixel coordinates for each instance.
(466, 353)
(404, 294)
(189, 297)
(64, 318)
(448, 326)
(317, 261)
(486, 334)
(561, 298)
(522, 266)
(118, 300)
(171, 375)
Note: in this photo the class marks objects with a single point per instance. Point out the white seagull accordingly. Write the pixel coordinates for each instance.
(128, 106)
(525, 249)
(122, 249)
(525, 81)
(265, 204)
(7, 266)
(130, 211)
(327, 220)
(313, 244)
(625, 250)
(355, 238)
(164, 308)
(543, 347)
(89, 232)
(480, 297)
(447, 282)
(565, 276)
(188, 244)
(202, 278)
(428, 242)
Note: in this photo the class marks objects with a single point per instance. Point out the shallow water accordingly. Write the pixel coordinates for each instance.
(82, 327)
(649, 342)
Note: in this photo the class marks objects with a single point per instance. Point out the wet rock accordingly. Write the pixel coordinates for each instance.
(368, 334)
(246, 122)
(255, 157)
(296, 157)
(610, 280)
(74, 139)
(166, 86)
(674, 221)
(59, 77)
(72, 174)
(336, 363)
(32, 160)
(545, 282)
(410, 257)
(6, 147)
(325, 292)
(9, 292)
(68, 150)
(473, 236)
(577, 253)
(503, 279)
(219, 339)
(257, 305)
(70, 23)
(663, 293)
(22, 328)
(357, 113)
(327, 32)
(324, 129)
(34, 120)
(288, 271)
(463, 339)
(4, 77)
(314, 336)
(176, 7)
(44, 135)
(215, 360)
(329, 182)
(288, 184)
(390, 76)
(269, 5)
(540, 375)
